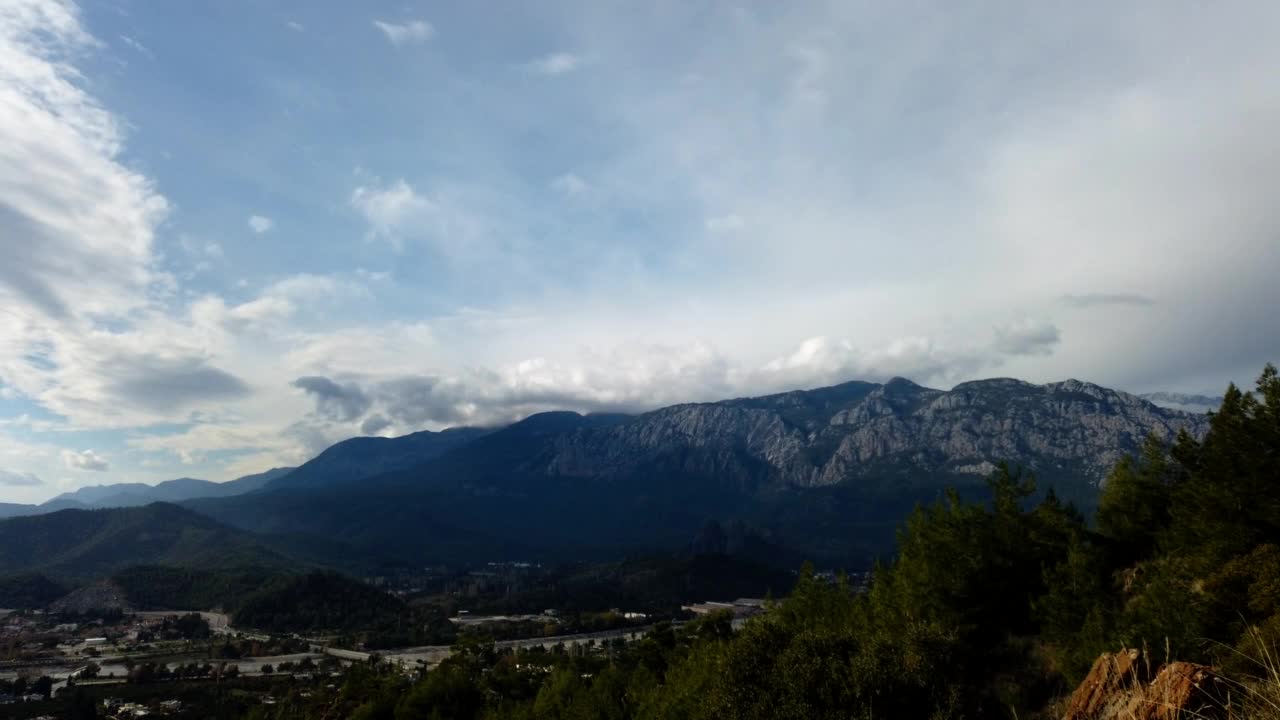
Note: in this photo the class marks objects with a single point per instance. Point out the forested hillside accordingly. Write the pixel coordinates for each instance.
(29, 590)
(94, 543)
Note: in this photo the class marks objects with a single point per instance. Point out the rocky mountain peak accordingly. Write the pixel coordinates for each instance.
(898, 384)
(1080, 387)
(834, 435)
(990, 384)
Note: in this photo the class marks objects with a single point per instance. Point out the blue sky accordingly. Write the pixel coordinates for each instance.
(237, 232)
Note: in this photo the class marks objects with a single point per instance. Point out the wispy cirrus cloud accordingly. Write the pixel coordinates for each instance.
(725, 223)
(557, 63)
(409, 32)
(569, 184)
(19, 479)
(1089, 300)
(138, 46)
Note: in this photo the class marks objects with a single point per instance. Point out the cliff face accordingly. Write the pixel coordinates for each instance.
(833, 435)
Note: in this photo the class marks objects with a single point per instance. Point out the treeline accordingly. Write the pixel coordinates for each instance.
(989, 609)
(658, 584)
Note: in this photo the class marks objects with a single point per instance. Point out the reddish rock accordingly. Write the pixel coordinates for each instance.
(1120, 687)
(1107, 687)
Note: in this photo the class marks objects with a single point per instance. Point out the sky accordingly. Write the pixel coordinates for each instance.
(233, 233)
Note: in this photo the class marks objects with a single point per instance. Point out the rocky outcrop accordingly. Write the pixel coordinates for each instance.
(833, 435)
(1122, 686)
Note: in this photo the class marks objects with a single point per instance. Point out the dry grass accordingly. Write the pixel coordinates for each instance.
(1257, 691)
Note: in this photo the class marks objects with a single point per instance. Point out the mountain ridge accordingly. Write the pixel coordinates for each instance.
(357, 458)
(115, 495)
(828, 471)
(971, 426)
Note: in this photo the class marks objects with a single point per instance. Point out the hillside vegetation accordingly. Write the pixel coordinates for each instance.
(29, 590)
(159, 587)
(94, 543)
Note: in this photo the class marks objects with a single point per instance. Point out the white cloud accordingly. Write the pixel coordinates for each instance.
(260, 224)
(373, 275)
(262, 443)
(1102, 299)
(296, 26)
(137, 46)
(1027, 337)
(725, 223)
(757, 221)
(263, 311)
(278, 304)
(393, 211)
(569, 184)
(824, 361)
(405, 33)
(197, 248)
(80, 283)
(461, 224)
(557, 63)
(78, 224)
(363, 394)
(10, 478)
(84, 460)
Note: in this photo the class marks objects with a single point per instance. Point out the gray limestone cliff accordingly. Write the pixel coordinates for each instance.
(833, 435)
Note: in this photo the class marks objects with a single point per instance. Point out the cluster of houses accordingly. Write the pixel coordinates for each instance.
(741, 608)
(7, 699)
(113, 709)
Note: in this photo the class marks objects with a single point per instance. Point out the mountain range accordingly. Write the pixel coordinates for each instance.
(137, 494)
(827, 473)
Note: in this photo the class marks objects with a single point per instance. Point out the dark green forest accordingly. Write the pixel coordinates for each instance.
(165, 587)
(318, 601)
(989, 609)
(29, 590)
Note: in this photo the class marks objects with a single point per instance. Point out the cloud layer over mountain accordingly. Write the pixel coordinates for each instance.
(379, 223)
